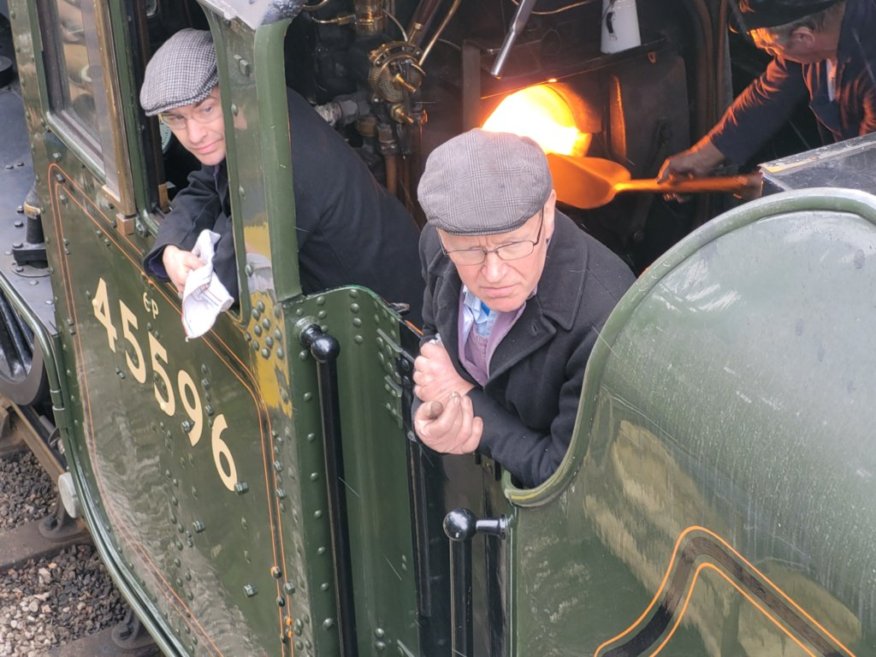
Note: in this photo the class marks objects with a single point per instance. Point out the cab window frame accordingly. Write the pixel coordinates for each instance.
(98, 144)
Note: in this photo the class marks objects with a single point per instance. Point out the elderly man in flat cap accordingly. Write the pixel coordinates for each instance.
(350, 229)
(516, 295)
(823, 50)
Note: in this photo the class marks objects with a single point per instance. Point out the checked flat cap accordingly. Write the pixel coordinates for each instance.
(483, 183)
(181, 72)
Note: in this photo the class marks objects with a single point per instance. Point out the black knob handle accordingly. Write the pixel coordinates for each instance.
(460, 525)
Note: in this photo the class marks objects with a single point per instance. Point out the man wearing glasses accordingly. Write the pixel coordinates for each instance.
(516, 295)
(350, 229)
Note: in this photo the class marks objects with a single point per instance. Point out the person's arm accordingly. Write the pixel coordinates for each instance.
(759, 111)
(443, 416)
(753, 117)
(195, 208)
(532, 456)
(429, 329)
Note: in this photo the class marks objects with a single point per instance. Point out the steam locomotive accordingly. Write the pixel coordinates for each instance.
(259, 491)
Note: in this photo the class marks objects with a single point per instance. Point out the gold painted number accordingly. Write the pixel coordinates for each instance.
(100, 303)
(228, 471)
(161, 385)
(192, 406)
(129, 321)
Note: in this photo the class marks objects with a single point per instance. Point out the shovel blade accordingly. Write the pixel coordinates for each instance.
(585, 182)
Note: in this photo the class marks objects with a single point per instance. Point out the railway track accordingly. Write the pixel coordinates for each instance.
(56, 598)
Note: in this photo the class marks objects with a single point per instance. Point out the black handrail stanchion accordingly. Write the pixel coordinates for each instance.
(460, 526)
(325, 350)
(416, 491)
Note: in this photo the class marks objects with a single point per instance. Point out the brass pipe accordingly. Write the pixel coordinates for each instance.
(421, 19)
(395, 21)
(370, 17)
(343, 19)
(450, 14)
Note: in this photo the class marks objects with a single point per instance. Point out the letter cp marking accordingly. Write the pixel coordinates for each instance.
(149, 305)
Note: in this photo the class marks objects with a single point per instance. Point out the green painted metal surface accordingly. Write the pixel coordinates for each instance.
(201, 463)
(381, 534)
(718, 495)
(172, 439)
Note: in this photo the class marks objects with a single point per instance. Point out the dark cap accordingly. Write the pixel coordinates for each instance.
(181, 72)
(483, 183)
(773, 13)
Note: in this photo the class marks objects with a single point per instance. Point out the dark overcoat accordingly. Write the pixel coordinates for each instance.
(530, 399)
(350, 229)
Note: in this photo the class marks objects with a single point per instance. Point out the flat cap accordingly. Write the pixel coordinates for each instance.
(482, 183)
(181, 72)
(755, 14)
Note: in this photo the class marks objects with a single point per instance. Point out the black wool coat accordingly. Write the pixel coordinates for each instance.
(530, 400)
(350, 229)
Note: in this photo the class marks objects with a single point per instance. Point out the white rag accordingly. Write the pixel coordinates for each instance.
(204, 296)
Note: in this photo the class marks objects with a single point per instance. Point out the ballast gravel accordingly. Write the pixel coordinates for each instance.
(19, 503)
(53, 601)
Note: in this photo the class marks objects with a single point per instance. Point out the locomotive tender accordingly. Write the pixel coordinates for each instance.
(259, 491)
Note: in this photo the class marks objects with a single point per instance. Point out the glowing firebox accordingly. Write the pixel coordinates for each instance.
(551, 115)
(545, 114)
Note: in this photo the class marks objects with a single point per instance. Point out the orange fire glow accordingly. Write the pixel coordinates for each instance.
(542, 114)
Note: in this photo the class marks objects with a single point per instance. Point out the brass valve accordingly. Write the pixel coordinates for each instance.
(395, 73)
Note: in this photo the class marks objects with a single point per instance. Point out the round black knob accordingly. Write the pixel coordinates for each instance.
(325, 348)
(460, 525)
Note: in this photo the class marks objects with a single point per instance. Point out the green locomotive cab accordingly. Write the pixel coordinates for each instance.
(260, 491)
(702, 461)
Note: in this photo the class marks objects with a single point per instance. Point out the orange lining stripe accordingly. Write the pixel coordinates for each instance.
(745, 594)
(672, 561)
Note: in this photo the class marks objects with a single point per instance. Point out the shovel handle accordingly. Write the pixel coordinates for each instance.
(686, 186)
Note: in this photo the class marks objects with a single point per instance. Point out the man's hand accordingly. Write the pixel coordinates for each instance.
(450, 428)
(753, 189)
(697, 161)
(435, 378)
(178, 264)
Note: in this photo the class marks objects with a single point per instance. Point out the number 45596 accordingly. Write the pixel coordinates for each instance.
(162, 385)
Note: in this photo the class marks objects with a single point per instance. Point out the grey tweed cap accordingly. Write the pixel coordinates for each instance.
(181, 72)
(482, 183)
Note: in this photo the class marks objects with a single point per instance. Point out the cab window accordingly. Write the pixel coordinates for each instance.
(75, 78)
